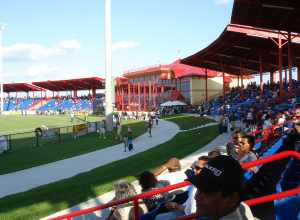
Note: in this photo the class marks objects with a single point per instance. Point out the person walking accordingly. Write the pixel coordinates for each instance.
(119, 130)
(125, 141)
(130, 143)
(150, 127)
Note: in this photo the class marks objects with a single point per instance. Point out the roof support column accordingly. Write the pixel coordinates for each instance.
(242, 81)
(93, 92)
(290, 63)
(238, 81)
(223, 77)
(129, 96)
(144, 93)
(261, 86)
(122, 98)
(139, 95)
(150, 95)
(206, 95)
(280, 66)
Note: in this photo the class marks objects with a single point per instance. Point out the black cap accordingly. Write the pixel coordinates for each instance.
(220, 174)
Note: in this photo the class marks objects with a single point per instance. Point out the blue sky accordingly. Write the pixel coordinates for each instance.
(60, 39)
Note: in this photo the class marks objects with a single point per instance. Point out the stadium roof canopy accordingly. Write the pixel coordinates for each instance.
(241, 49)
(280, 15)
(258, 29)
(72, 84)
(21, 87)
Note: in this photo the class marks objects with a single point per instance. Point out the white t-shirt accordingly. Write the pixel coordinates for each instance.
(243, 212)
(173, 177)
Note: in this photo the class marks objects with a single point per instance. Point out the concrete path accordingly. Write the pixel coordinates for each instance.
(25, 180)
(217, 143)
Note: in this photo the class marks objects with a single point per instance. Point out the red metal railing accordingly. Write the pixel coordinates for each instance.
(250, 202)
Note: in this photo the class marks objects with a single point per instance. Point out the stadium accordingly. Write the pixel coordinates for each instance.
(214, 135)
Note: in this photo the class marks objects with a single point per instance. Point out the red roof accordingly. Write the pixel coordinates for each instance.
(21, 87)
(238, 50)
(72, 84)
(182, 70)
(272, 14)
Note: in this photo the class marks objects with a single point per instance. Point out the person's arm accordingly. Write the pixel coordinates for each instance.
(174, 206)
(171, 164)
(160, 170)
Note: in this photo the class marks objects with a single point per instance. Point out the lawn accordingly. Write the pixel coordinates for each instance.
(24, 154)
(51, 198)
(186, 122)
(10, 124)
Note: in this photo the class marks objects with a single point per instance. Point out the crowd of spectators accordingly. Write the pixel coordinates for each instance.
(219, 184)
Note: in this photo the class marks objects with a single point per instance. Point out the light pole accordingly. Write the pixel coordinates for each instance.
(1, 72)
(108, 66)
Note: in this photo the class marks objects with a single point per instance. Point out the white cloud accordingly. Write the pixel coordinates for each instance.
(45, 72)
(124, 45)
(34, 52)
(40, 71)
(69, 45)
(222, 2)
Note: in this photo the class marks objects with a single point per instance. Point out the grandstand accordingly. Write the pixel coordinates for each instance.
(56, 103)
(256, 41)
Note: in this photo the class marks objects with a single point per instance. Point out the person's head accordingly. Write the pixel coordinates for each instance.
(173, 164)
(147, 180)
(214, 153)
(219, 187)
(236, 137)
(246, 143)
(124, 189)
(198, 166)
(297, 127)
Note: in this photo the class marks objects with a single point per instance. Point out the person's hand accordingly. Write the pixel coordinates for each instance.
(171, 205)
(172, 163)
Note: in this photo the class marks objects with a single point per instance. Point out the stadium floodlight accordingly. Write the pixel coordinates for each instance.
(1, 72)
(108, 66)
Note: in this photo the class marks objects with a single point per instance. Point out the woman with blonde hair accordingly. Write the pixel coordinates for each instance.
(123, 190)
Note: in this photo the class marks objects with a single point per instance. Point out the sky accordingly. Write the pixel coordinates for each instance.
(63, 39)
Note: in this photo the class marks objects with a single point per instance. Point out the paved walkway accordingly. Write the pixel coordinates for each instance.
(217, 143)
(25, 180)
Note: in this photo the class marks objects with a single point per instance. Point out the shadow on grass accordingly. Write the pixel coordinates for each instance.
(57, 196)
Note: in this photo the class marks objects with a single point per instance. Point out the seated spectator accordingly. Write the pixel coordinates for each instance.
(123, 190)
(219, 188)
(148, 182)
(170, 171)
(176, 209)
(214, 153)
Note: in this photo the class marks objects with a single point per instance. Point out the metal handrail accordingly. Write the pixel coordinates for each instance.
(245, 166)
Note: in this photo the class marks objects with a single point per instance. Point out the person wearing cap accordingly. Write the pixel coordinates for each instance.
(189, 206)
(219, 189)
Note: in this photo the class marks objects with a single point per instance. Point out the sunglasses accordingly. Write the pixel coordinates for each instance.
(197, 168)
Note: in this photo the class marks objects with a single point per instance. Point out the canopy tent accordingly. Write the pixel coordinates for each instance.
(172, 103)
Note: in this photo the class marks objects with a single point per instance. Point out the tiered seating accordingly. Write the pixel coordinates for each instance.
(25, 104)
(51, 105)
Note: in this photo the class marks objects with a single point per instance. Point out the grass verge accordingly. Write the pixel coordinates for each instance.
(186, 122)
(25, 156)
(51, 198)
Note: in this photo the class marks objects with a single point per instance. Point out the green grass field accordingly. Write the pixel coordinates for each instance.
(186, 122)
(25, 154)
(11, 124)
(48, 199)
